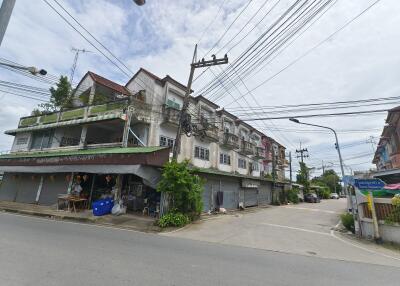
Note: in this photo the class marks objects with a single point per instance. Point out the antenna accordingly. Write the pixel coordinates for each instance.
(77, 51)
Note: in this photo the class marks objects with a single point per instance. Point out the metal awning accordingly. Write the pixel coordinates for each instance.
(150, 175)
(65, 123)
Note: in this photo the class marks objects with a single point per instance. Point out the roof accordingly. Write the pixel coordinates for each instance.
(209, 102)
(108, 83)
(159, 80)
(223, 173)
(97, 151)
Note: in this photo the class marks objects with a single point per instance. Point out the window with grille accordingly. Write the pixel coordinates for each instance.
(224, 159)
(241, 163)
(201, 153)
(166, 141)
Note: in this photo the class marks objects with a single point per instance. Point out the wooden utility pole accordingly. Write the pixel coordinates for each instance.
(290, 166)
(184, 117)
(6, 10)
(303, 153)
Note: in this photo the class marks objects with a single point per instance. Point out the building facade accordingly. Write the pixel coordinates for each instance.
(387, 154)
(234, 157)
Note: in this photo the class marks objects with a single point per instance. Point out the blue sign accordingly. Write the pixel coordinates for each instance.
(348, 180)
(369, 184)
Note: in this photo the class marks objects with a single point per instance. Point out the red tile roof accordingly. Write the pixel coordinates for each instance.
(108, 83)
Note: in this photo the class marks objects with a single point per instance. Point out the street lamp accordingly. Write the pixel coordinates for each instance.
(139, 2)
(295, 120)
(32, 70)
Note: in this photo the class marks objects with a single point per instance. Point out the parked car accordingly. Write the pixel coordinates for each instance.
(311, 198)
(334, 196)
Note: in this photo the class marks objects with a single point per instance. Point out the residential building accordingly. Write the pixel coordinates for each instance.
(387, 154)
(110, 123)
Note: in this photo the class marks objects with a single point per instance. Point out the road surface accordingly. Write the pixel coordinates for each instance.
(43, 252)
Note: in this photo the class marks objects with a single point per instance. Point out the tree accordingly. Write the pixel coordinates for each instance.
(329, 179)
(302, 177)
(183, 186)
(61, 97)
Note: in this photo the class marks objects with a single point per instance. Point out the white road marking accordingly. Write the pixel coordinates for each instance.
(295, 228)
(359, 246)
(313, 210)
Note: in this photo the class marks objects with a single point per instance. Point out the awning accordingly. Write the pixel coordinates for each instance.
(65, 123)
(153, 156)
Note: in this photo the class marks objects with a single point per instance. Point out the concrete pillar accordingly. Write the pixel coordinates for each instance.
(82, 141)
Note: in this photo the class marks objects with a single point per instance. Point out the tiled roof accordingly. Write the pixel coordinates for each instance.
(109, 83)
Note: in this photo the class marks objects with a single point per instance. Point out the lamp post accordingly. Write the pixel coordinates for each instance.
(295, 120)
(32, 70)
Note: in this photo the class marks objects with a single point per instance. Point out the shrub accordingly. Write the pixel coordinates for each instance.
(348, 221)
(173, 219)
(183, 186)
(292, 196)
(394, 216)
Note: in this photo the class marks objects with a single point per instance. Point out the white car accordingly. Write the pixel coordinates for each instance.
(334, 196)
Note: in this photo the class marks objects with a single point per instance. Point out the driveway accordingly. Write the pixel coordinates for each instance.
(305, 229)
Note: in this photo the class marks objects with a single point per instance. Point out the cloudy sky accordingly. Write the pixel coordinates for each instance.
(360, 62)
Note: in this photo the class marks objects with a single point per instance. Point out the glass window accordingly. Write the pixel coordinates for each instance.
(201, 153)
(166, 141)
(241, 163)
(22, 141)
(224, 159)
(42, 139)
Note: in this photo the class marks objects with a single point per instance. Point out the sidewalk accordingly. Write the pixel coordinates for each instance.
(126, 221)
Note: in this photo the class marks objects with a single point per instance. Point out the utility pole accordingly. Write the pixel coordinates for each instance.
(303, 153)
(77, 51)
(290, 166)
(5, 14)
(323, 167)
(273, 174)
(184, 117)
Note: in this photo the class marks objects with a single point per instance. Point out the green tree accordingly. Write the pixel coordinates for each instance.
(61, 96)
(302, 177)
(184, 187)
(329, 179)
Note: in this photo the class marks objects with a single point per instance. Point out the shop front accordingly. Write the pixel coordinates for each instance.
(126, 174)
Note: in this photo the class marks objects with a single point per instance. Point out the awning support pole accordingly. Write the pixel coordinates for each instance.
(138, 139)
(39, 189)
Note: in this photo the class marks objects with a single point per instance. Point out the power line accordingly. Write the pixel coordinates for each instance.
(313, 48)
(213, 20)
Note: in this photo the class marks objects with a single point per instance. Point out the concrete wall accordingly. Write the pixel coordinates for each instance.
(387, 232)
(18, 144)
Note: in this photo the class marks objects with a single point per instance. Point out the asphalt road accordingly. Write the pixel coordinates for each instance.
(42, 252)
(304, 229)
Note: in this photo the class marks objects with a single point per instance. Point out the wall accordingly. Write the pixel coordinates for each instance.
(21, 147)
(387, 232)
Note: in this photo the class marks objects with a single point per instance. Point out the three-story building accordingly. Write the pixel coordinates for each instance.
(128, 132)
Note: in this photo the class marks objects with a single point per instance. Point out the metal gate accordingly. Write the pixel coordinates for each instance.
(264, 194)
(53, 186)
(250, 197)
(8, 187)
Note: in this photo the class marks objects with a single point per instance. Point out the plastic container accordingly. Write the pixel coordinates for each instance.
(102, 207)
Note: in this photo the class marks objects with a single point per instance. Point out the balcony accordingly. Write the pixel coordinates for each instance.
(171, 115)
(259, 153)
(246, 148)
(231, 141)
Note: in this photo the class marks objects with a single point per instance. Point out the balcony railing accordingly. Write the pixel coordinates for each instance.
(231, 140)
(171, 115)
(247, 148)
(259, 152)
(72, 114)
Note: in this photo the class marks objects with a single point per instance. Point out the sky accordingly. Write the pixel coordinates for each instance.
(359, 62)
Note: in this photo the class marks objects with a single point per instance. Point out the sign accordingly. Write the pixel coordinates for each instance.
(246, 183)
(369, 184)
(348, 180)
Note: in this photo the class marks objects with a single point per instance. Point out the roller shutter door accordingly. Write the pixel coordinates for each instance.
(52, 187)
(27, 188)
(8, 187)
(264, 194)
(250, 197)
(231, 188)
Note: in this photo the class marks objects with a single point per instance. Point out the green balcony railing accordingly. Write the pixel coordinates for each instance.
(28, 121)
(72, 114)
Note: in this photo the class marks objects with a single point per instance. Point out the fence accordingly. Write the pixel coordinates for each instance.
(383, 211)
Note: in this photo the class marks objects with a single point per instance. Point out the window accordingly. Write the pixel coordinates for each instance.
(202, 153)
(224, 159)
(22, 140)
(228, 127)
(241, 163)
(173, 104)
(255, 166)
(42, 139)
(166, 141)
